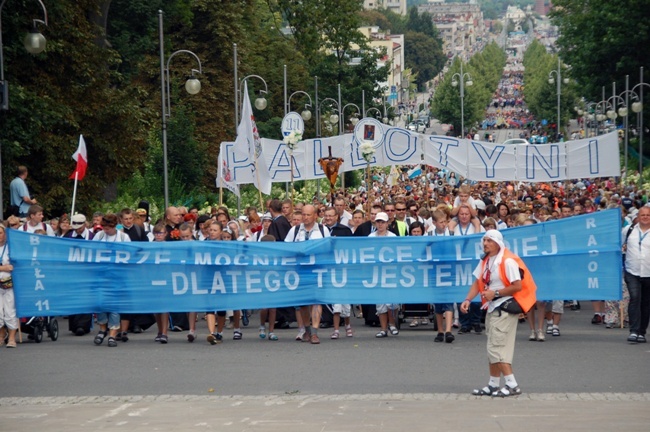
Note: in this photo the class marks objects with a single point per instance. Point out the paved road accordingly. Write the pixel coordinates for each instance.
(256, 384)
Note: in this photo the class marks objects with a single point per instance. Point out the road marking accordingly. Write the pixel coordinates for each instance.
(111, 413)
(304, 400)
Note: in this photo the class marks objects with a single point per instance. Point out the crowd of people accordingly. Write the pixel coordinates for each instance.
(426, 205)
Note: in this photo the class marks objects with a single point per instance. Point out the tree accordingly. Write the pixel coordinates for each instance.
(327, 35)
(485, 69)
(70, 90)
(602, 41)
(424, 55)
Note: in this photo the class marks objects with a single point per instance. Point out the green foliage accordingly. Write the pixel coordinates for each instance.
(541, 96)
(485, 69)
(602, 41)
(422, 44)
(70, 90)
(100, 77)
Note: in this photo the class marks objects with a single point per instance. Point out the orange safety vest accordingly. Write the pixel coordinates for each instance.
(526, 297)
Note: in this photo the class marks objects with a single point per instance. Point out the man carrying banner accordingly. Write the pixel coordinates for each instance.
(507, 289)
(308, 230)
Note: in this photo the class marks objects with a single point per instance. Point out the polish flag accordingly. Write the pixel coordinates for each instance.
(82, 160)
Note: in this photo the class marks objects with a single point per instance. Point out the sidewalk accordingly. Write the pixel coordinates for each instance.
(327, 413)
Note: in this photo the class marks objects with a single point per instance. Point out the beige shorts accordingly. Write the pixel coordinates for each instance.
(501, 334)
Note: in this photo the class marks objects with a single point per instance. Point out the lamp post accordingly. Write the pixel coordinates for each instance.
(557, 80)
(192, 86)
(333, 118)
(637, 107)
(354, 118)
(455, 80)
(306, 113)
(34, 44)
(621, 101)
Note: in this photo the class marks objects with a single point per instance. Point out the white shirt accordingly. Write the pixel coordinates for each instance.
(376, 234)
(469, 229)
(4, 259)
(41, 225)
(470, 201)
(512, 273)
(637, 256)
(434, 233)
(303, 234)
(119, 236)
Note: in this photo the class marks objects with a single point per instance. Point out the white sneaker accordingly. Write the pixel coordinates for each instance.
(301, 333)
(262, 332)
(540, 336)
(533, 336)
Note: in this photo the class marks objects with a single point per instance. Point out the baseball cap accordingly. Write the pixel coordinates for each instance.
(77, 220)
(381, 216)
(480, 204)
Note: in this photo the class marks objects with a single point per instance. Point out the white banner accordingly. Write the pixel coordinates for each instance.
(480, 161)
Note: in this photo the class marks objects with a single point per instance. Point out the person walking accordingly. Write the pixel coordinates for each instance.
(499, 282)
(637, 275)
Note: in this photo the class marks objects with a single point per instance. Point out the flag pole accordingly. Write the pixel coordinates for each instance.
(74, 193)
(257, 173)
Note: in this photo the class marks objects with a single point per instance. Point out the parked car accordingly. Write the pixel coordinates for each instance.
(417, 126)
(515, 141)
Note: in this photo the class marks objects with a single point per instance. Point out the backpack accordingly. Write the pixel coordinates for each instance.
(320, 227)
(43, 227)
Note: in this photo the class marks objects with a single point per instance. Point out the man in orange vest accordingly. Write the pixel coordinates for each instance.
(506, 289)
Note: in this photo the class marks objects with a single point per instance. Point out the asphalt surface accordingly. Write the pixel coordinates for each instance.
(589, 374)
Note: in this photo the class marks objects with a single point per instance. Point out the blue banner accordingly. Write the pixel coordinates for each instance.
(578, 258)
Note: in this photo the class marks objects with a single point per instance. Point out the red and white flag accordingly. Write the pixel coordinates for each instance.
(82, 160)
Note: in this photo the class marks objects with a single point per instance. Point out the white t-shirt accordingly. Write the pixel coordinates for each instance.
(42, 225)
(512, 273)
(303, 234)
(433, 233)
(4, 260)
(376, 234)
(469, 229)
(119, 237)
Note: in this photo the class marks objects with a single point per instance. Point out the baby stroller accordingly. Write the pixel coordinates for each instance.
(34, 327)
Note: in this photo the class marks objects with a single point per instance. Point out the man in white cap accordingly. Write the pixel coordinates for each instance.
(499, 277)
(79, 229)
(79, 324)
(386, 319)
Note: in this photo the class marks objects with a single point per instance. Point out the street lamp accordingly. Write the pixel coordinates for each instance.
(34, 43)
(354, 118)
(455, 79)
(637, 107)
(306, 113)
(192, 86)
(333, 118)
(557, 80)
